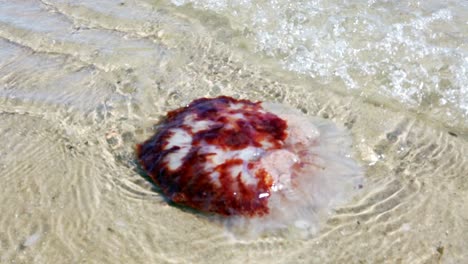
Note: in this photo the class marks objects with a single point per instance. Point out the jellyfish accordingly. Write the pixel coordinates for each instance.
(260, 167)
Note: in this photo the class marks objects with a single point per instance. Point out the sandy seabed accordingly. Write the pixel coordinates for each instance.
(82, 83)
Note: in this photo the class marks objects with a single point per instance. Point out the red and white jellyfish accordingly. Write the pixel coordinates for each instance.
(259, 166)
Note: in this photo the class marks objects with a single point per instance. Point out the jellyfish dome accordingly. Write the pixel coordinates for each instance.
(258, 166)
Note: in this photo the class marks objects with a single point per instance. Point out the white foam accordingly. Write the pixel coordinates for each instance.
(392, 50)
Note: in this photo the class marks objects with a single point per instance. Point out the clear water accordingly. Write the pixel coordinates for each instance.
(81, 82)
(415, 53)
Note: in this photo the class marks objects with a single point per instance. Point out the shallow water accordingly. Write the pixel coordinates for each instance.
(82, 82)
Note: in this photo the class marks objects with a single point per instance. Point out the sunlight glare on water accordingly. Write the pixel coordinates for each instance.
(415, 52)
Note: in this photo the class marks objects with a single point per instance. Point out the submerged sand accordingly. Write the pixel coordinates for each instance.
(81, 84)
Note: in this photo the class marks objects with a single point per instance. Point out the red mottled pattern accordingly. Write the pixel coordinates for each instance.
(190, 184)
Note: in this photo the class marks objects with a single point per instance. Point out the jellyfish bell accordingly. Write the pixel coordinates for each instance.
(257, 167)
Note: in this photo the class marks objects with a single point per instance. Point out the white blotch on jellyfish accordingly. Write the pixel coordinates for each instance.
(215, 178)
(197, 125)
(178, 138)
(183, 140)
(174, 160)
(236, 106)
(219, 156)
(247, 154)
(266, 144)
(236, 116)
